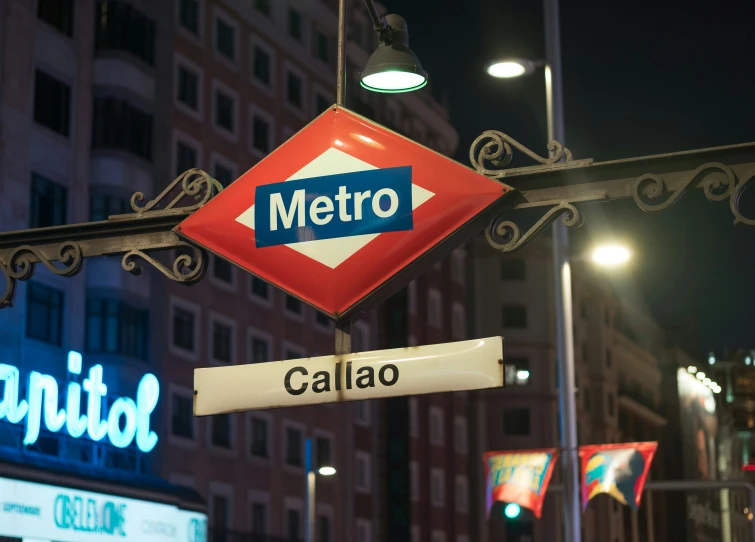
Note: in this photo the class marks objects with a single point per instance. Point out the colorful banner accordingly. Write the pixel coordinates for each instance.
(617, 469)
(520, 477)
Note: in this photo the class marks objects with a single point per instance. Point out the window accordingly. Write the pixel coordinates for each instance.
(323, 528)
(437, 426)
(44, 313)
(414, 481)
(458, 258)
(259, 518)
(294, 24)
(293, 524)
(294, 90)
(260, 350)
(222, 270)
(52, 103)
(512, 269)
(322, 320)
(263, 6)
(460, 435)
(221, 430)
(222, 342)
(293, 447)
(364, 530)
(223, 175)
(458, 322)
(49, 201)
(362, 412)
(611, 405)
(116, 327)
(262, 64)
(321, 103)
(225, 39)
(434, 308)
(413, 417)
(260, 289)
(184, 323)
(261, 134)
(188, 88)
(293, 305)
(102, 206)
(363, 466)
(517, 371)
(182, 420)
(120, 125)
(224, 111)
(188, 15)
(260, 437)
(608, 358)
(58, 13)
(324, 458)
(516, 422)
(121, 27)
(437, 487)
(322, 47)
(186, 158)
(462, 494)
(220, 514)
(514, 316)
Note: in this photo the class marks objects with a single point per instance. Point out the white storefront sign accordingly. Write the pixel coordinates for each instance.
(458, 366)
(32, 511)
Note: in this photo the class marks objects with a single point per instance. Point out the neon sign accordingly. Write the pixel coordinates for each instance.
(126, 421)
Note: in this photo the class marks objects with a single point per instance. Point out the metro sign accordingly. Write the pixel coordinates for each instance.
(338, 214)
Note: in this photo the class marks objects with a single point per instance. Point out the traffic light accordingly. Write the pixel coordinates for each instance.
(512, 510)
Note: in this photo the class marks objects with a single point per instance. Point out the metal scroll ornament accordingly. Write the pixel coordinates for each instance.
(718, 181)
(22, 262)
(493, 148)
(188, 267)
(507, 236)
(194, 184)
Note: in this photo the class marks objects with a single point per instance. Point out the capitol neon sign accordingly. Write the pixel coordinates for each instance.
(42, 403)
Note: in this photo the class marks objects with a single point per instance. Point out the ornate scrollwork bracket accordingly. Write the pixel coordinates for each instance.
(505, 235)
(22, 262)
(494, 148)
(188, 268)
(194, 184)
(718, 181)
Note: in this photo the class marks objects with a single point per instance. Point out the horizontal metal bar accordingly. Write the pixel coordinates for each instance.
(683, 485)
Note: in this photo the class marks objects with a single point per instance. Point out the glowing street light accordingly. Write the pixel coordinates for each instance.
(510, 68)
(522, 374)
(327, 471)
(611, 255)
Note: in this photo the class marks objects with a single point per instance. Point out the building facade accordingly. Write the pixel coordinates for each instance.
(617, 376)
(102, 99)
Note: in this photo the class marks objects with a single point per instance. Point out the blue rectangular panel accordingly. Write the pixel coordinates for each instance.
(333, 206)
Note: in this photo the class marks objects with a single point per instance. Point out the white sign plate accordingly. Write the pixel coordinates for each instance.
(466, 365)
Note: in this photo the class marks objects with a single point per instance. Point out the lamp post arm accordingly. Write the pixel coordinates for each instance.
(382, 28)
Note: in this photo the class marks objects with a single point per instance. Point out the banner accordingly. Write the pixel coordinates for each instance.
(520, 477)
(617, 469)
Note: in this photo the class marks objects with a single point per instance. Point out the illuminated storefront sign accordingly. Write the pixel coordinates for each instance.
(128, 420)
(32, 511)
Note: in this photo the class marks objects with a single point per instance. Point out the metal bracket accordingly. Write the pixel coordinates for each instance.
(62, 249)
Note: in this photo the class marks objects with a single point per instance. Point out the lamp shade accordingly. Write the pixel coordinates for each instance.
(394, 67)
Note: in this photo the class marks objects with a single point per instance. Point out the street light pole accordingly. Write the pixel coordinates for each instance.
(563, 284)
(310, 492)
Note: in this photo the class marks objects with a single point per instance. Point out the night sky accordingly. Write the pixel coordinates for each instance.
(640, 77)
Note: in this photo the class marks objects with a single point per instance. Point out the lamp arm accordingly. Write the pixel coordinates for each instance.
(382, 28)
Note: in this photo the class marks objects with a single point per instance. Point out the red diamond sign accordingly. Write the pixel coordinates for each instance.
(339, 213)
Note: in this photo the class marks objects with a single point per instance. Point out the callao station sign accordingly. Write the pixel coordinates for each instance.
(341, 216)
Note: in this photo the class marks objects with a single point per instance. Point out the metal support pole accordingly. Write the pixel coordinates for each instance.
(562, 276)
(309, 535)
(341, 83)
(343, 338)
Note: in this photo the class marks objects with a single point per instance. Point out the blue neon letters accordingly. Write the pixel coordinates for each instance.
(88, 516)
(374, 201)
(42, 403)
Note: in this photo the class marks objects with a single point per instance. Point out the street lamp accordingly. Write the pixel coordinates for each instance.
(393, 67)
(611, 255)
(324, 470)
(511, 67)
